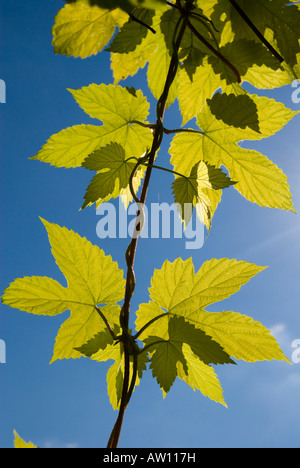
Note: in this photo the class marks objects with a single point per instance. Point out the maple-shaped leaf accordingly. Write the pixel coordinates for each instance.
(117, 108)
(177, 292)
(93, 281)
(82, 30)
(226, 120)
(216, 280)
(200, 190)
(20, 443)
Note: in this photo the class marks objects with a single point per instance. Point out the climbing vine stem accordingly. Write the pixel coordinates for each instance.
(158, 131)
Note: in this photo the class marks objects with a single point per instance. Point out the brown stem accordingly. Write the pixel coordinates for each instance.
(131, 250)
(115, 435)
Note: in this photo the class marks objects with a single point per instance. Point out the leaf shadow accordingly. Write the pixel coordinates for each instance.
(236, 111)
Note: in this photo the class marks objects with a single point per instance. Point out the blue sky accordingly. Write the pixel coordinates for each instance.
(65, 404)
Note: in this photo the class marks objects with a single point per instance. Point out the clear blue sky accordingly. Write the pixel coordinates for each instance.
(66, 404)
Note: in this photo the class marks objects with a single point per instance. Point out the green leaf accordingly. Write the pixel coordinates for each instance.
(115, 374)
(193, 91)
(93, 279)
(100, 341)
(82, 30)
(239, 335)
(124, 65)
(152, 4)
(200, 376)
(101, 348)
(199, 190)
(202, 72)
(170, 322)
(279, 23)
(71, 146)
(117, 108)
(113, 174)
(132, 32)
(225, 121)
(20, 443)
(157, 49)
(216, 280)
(126, 5)
(160, 61)
(168, 350)
(115, 377)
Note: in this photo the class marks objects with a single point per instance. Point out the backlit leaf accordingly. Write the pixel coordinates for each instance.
(200, 376)
(223, 127)
(178, 297)
(117, 108)
(82, 30)
(93, 279)
(167, 351)
(198, 190)
(113, 173)
(20, 443)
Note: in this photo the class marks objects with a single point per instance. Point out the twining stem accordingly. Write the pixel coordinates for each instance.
(127, 341)
(158, 132)
(115, 434)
